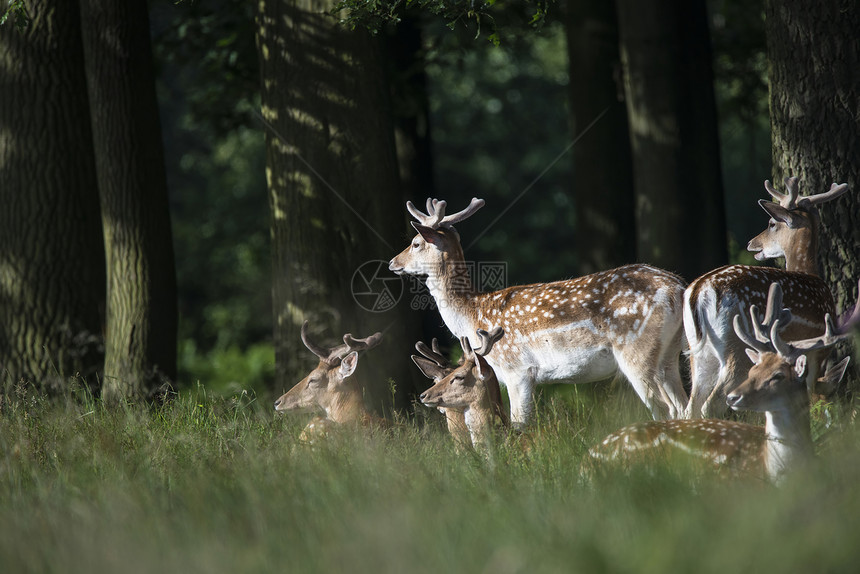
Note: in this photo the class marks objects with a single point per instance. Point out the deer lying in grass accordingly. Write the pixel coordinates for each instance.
(717, 359)
(471, 388)
(435, 366)
(775, 386)
(331, 387)
(626, 321)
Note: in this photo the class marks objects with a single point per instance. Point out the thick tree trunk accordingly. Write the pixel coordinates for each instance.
(603, 188)
(337, 214)
(814, 58)
(673, 131)
(51, 257)
(140, 341)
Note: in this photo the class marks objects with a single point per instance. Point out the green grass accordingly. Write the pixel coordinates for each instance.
(209, 484)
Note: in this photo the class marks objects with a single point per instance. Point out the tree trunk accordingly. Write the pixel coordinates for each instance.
(140, 341)
(337, 214)
(814, 55)
(51, 254)
(603, 188)
(680, 216)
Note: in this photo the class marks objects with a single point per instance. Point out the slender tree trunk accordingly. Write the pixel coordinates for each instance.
(603, 188)
(333, 186)
(668, 80)
(51, 254)
(814, 58)
(140, 342)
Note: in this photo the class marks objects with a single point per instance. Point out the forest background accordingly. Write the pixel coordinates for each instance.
(534, 107)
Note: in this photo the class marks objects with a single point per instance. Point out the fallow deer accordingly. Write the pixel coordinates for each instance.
(626, 321)
(775, 385)
(471, 388)
(435, 366)
(331, 387)
(717, 359)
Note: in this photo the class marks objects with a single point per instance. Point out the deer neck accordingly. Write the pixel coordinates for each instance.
(452, 289)
(347, 405)
(479, 420)
(802, 254)
(789, 440)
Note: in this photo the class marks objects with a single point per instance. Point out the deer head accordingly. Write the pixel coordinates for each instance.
(437, 246)
(328, 386)
(779, 365)
(793, 228)
(468, 384)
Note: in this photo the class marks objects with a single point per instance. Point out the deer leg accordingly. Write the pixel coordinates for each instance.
(704, 372)
(521, 394)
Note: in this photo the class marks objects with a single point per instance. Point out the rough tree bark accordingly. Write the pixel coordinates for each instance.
(814, 58)
(680, 216)
(141, 321)
(333, 187)
(51, 253)
(603, 188)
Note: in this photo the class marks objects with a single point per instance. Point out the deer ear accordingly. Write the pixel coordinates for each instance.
(780, 213)
(429, 234)
(348, 364)
(430, 369)
(800, 366)
(827, 383)
(484, 369)
(754, 356)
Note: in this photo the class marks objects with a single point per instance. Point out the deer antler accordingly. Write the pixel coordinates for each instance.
(793, 199)
(775, 318)
(435, 216)
(432, 354)
(790, 351)
(362, 344)
(333, 355)
(488, 340)
(835, 191)
(788, 201)
(321, 352)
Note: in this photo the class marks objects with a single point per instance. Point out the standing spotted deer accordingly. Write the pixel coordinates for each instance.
(775, 385)
(718, 362)
(472, 389)
(331, 387)
(626, 321)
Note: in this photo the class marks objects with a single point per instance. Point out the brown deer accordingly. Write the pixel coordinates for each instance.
(331, 387)
(435, 366)
(626, 321)
(775, 385)
(717, 359)
(472, 389)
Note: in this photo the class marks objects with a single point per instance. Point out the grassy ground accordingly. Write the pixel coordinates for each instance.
(219, 485)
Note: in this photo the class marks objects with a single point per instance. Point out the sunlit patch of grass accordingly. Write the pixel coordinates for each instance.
(220, 484)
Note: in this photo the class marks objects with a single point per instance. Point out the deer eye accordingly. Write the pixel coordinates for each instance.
(773, 224)
(416, 244)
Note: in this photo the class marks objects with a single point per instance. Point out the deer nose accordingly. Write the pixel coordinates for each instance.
(277, 402)
(423, 396)
(733, 400)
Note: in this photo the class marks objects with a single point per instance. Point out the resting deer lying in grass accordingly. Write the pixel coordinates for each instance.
(717, 359)
(775, 386)
(435, 366)
(331, 387)
(626, 321)
(472, 389)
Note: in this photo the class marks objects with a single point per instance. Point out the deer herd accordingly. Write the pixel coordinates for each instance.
(635, 322)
